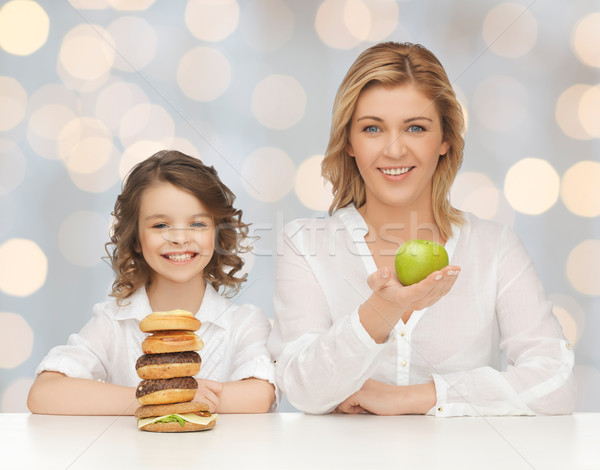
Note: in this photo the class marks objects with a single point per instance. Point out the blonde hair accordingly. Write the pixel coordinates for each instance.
(391, 64)
(191, 175)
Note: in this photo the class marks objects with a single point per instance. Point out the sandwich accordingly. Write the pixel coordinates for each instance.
(175, 417)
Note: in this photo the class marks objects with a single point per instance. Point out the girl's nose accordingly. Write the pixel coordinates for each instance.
(179, 236)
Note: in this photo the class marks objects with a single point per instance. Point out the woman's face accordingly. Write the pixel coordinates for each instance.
(396, 138)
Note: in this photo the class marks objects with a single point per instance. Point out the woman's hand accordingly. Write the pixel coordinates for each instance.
(384, 399)
(391, 301)
(209, 392)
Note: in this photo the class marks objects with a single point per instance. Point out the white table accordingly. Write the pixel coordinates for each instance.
(298, 441)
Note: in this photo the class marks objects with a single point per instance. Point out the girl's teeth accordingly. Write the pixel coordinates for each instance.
(181, 257)
(395, 171)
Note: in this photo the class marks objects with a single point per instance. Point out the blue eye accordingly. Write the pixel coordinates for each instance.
(371, 129)
(415, 129)
(198, 225)
(161, 226)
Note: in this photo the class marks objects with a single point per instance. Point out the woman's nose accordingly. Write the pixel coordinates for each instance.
(395, 147)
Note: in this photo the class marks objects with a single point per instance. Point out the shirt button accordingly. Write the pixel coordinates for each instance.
(393, 339)
(440, 408)
(404, 363)
(568, 345)
(402, 333)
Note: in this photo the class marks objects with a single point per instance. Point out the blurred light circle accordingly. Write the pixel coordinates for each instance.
(85, 145)
(44, 127)
(580, 189)
(203, 74)
(185, 146)
(568, 112)
(23, 267)
(357, 18)
(266, 25)
(589, 111)
(311, 188)
(115, 100)
(510, 30)
(268, 174)
(332, 21)
(570, 315)
(16, 347)
(212, 20)
(81, 238)
(475, 192)
(585, 40)
(24, 27)
(12, 167)
(278, 101)
(90, 4)
(14, 399)
(147, 122)
(136, 153)
(532, 186)
(13, 103)
(131, 5)
(376, 23)
(100, 180)
(87, 52)
(135, 40)
(500, 103)
(583, 267)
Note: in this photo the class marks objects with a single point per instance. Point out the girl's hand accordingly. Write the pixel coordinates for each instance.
(383, 399)
(209, 392)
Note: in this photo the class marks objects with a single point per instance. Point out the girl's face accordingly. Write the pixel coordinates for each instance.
(396, 138)
(177, 235)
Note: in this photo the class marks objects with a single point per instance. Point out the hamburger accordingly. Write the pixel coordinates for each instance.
(168, 365)
(165, 391)
(170, 320)
(175, 417)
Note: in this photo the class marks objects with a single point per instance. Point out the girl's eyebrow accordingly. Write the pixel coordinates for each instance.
(165, 216)
(378, 119)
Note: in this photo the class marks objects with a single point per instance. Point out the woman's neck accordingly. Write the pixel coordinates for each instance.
(165, 296)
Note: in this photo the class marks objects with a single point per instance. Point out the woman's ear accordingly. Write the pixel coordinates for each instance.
(349, 149)
(444, 148)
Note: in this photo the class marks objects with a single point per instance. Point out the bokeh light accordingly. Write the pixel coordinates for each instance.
(131, 5)
(589, 111)
(510, 30)
(268, 174)
(14, 399)
(580, 189)
(212, 20)
(13, 103)
(203, 74)
(87, 53)
(115, 100)
(24, 27)
(311, 188)
(81, 238)
(475, 192)
(135, 40)
(585, 39)
(12, 167)
(332, 18)
(266, 25)
(570, 315)
(500, 103)
(90, 4)
(532, 186)
(567, 112)
(15, 347)
(85, 144)
(23, 267)
(278, 101)
(100, 180)
(44, 128)
(147, 122)
(583, 267)
(137, 152)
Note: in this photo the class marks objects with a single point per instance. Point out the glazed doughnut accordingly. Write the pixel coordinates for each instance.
(168, 365)
(171, 341)
(163, 391)
(171, 320)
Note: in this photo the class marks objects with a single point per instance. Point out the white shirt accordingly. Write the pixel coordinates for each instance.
(108, 346)
(323, 354)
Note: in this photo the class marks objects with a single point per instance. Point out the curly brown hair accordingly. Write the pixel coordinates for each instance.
(392, 64)
(189, 174)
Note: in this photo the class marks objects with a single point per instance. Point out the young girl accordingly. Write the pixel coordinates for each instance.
(347, 335)
(176, 239)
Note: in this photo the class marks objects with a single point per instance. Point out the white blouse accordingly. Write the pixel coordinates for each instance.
(497, 306)
(108, 346)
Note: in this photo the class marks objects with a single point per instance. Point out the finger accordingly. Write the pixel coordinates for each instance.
(213, 386)
(378, 279)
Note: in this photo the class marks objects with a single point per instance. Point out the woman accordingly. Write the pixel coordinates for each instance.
(348, 337)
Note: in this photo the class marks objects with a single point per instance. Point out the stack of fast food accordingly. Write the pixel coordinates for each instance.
(166, 368)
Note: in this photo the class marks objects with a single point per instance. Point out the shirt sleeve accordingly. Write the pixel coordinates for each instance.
(320, 362)
(86, 354)
(251, 357)
(538, 378)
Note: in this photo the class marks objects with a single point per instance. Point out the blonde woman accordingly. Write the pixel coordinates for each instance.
(348, 336)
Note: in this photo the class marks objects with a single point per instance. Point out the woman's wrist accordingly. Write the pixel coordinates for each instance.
(378, 317)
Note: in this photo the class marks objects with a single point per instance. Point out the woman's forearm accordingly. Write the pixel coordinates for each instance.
(55, 393)
(246, 396)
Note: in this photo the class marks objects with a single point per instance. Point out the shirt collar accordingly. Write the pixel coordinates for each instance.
(211, 310)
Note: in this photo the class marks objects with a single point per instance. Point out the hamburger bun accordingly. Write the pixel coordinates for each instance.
(171, 341)
(164, 391)
(202, 419)
(171, 320)
(168, 365)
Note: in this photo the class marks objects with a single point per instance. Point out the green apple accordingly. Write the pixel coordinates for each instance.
(417, 259)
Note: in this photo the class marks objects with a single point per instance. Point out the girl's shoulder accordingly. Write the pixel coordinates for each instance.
(135, 306)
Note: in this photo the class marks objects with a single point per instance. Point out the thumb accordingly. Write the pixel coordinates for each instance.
(378, 279)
